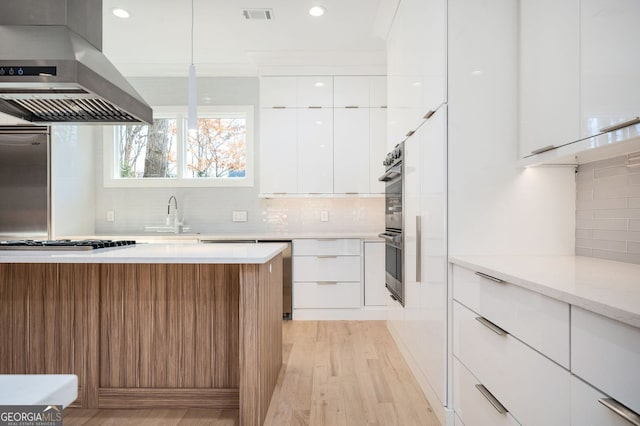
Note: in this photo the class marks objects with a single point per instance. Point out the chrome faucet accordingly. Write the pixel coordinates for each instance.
(176, 223)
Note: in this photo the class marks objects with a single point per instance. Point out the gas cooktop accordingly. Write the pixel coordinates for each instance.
(62, 244)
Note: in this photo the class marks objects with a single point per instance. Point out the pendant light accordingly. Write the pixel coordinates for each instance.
(192, 119)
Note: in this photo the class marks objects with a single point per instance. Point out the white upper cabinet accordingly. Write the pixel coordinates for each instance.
(315, 151)
(610, 64)
(351, 150)
(579, 79)
(416, 64)
(278, 92)
(278, 151)
(377, 148)
(315, 92)
(351, 91)
(378, 91)
(549, 69)
(296, 92)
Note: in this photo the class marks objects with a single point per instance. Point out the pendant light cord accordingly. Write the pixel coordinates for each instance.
(192, 30)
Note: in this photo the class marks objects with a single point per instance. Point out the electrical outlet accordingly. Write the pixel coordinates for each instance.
(324, 216)
(240, 216)
(111, 216)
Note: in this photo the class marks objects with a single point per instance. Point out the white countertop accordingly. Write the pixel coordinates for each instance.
(606, 287)
(38, 389)
(162, 236)
(153, 253)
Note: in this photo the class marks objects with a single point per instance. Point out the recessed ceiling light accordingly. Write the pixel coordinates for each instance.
(120, 13)
(318, 84)
(317, 11)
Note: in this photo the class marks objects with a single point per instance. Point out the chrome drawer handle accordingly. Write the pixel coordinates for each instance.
(327, 282)
(620, 125)
(543, 149)
(489, 277)
(327, 257)
(491, 326)
(492, 399)
(624, 412)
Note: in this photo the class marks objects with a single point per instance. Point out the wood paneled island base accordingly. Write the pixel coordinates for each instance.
(148, 335)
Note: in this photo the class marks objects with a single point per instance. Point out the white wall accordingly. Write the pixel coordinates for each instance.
(495, 207)
(209, 210)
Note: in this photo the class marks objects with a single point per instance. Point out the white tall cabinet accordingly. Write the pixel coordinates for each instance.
(417, 93)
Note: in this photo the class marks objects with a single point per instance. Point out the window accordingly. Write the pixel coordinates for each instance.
(165, 154)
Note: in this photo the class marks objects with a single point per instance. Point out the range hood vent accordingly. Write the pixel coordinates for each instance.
(51, 73)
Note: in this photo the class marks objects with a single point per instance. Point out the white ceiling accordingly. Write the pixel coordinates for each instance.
(156, 39)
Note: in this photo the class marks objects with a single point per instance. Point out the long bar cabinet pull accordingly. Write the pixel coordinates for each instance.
(418, 249)
(327, 257)
(621, 410)
(491, 326)
(620, 125)
(492, 399)
(489, 277)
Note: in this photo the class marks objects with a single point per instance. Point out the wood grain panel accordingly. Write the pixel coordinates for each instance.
(169, 326)
(174, 398)
(260, 338)
(43, 319)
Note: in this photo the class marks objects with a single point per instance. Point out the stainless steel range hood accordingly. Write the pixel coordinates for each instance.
(52, 69)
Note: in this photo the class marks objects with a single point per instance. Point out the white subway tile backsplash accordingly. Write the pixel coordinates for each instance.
(608, 203)
(617, 214)
(608, 210)
(610, 171)
(586, 234)
(633, 248)
(611, 224)
(584, 252)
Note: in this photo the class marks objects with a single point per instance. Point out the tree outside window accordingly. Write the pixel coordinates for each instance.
(219, 154)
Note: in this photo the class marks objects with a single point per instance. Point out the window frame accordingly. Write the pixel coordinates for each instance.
(111, 163)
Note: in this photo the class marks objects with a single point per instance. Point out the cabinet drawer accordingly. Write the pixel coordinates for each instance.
(606, 354)
(537, 320)
(587, 411)
(473, 408)
(534, 389)
(330, 268)
(328, 246)
(326, 295)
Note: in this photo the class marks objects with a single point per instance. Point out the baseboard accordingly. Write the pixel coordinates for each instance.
(340, 314)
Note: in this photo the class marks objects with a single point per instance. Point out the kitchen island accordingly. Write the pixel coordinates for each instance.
(154, 325)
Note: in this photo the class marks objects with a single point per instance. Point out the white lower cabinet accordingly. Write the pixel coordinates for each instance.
(606, 354)
(534, 389)
(514, 341)
(474, 406)
(586, 408)
(375, 292)
(327, 274)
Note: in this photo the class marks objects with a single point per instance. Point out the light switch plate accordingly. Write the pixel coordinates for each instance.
(111, 216)
(240, 216)
(324, 216)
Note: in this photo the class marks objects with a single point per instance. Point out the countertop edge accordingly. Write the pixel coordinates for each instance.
(607, 310)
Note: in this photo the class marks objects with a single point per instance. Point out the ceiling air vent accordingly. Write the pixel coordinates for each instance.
(259, 14)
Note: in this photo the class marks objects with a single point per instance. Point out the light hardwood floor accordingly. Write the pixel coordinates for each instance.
(335, 373)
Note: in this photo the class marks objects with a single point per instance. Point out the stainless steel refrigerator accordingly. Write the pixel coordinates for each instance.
(24, 182)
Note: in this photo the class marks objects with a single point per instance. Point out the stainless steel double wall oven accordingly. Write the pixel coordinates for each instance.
(394, 240)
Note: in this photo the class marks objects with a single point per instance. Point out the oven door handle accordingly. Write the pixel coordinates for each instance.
(391, 174)
(391, 238)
